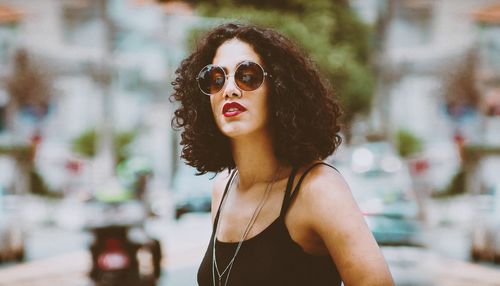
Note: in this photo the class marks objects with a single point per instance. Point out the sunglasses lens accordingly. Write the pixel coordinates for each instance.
(211, 79)
(249, 76)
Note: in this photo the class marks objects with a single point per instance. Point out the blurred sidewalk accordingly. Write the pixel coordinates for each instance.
(184, 243)
(449, 223)
(456, 211)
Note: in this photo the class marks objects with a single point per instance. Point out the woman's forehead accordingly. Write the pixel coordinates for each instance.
(233, 52)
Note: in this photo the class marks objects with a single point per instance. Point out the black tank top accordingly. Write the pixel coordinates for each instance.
(271, 257)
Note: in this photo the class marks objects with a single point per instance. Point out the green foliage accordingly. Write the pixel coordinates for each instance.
(456, 186)
(327, 30)
(24, 155)
(122, 139)
(473, 153)
(38, 186)
(21, 153)
(408, 144)
(194, 35)
(85, 144)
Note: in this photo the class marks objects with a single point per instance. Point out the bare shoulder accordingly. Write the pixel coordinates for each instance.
(328, 200)
(325, 185)
(334, 216)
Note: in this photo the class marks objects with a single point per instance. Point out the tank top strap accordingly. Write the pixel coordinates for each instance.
(290, 195)
(288, 189)
(231, 178)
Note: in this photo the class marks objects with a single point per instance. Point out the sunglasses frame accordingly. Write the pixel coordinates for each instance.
(227, 76)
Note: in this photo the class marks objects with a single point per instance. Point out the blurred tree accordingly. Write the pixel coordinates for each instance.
(85, 144)
(461, 93)
(28, 179)
(407, 143)
(29, 87)
(456, 186)
(39, 187)
(327, 30)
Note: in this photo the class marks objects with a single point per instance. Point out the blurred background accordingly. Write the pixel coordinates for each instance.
(92, 188)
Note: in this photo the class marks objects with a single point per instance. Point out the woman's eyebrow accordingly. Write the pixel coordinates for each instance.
(237, 64)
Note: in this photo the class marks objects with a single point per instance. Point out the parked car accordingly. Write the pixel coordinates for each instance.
(191, 193)
(12, 236)
(381, 184)
(485, 242)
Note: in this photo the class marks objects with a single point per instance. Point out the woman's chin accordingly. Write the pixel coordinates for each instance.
(240, 128)
(233, 131)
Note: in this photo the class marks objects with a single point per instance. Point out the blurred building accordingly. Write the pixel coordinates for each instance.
(141, 43)
(488, 72)
(428, 52)
(10, 18)
(483, 155)
(424, 42)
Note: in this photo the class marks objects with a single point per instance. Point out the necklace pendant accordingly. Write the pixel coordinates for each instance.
(220, 282)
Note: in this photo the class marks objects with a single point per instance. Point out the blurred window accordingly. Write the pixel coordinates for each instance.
(412, 24)
(81, 23)
(490, 48)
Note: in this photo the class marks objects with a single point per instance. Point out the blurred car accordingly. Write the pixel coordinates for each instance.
(485, 242)
(12, 236)
(381, 185)
(191, 193)
(123, 251)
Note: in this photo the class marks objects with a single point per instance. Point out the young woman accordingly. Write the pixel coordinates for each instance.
(253, 104)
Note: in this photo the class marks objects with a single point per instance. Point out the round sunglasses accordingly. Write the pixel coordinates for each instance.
(248, 76)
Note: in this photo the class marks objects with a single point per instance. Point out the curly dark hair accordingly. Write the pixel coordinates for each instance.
(303, 110)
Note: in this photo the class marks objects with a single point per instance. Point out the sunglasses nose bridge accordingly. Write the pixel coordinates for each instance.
(228, 76)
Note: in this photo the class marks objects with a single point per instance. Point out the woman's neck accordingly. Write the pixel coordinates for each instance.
(255, 160)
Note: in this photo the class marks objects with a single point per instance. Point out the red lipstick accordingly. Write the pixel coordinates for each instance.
(231, 109)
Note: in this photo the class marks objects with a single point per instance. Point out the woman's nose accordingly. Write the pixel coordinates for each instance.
(231, 89)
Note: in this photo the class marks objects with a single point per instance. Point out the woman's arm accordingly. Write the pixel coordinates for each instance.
(337, 220)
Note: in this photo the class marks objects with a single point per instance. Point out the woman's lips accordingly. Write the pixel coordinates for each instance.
(231, 109)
